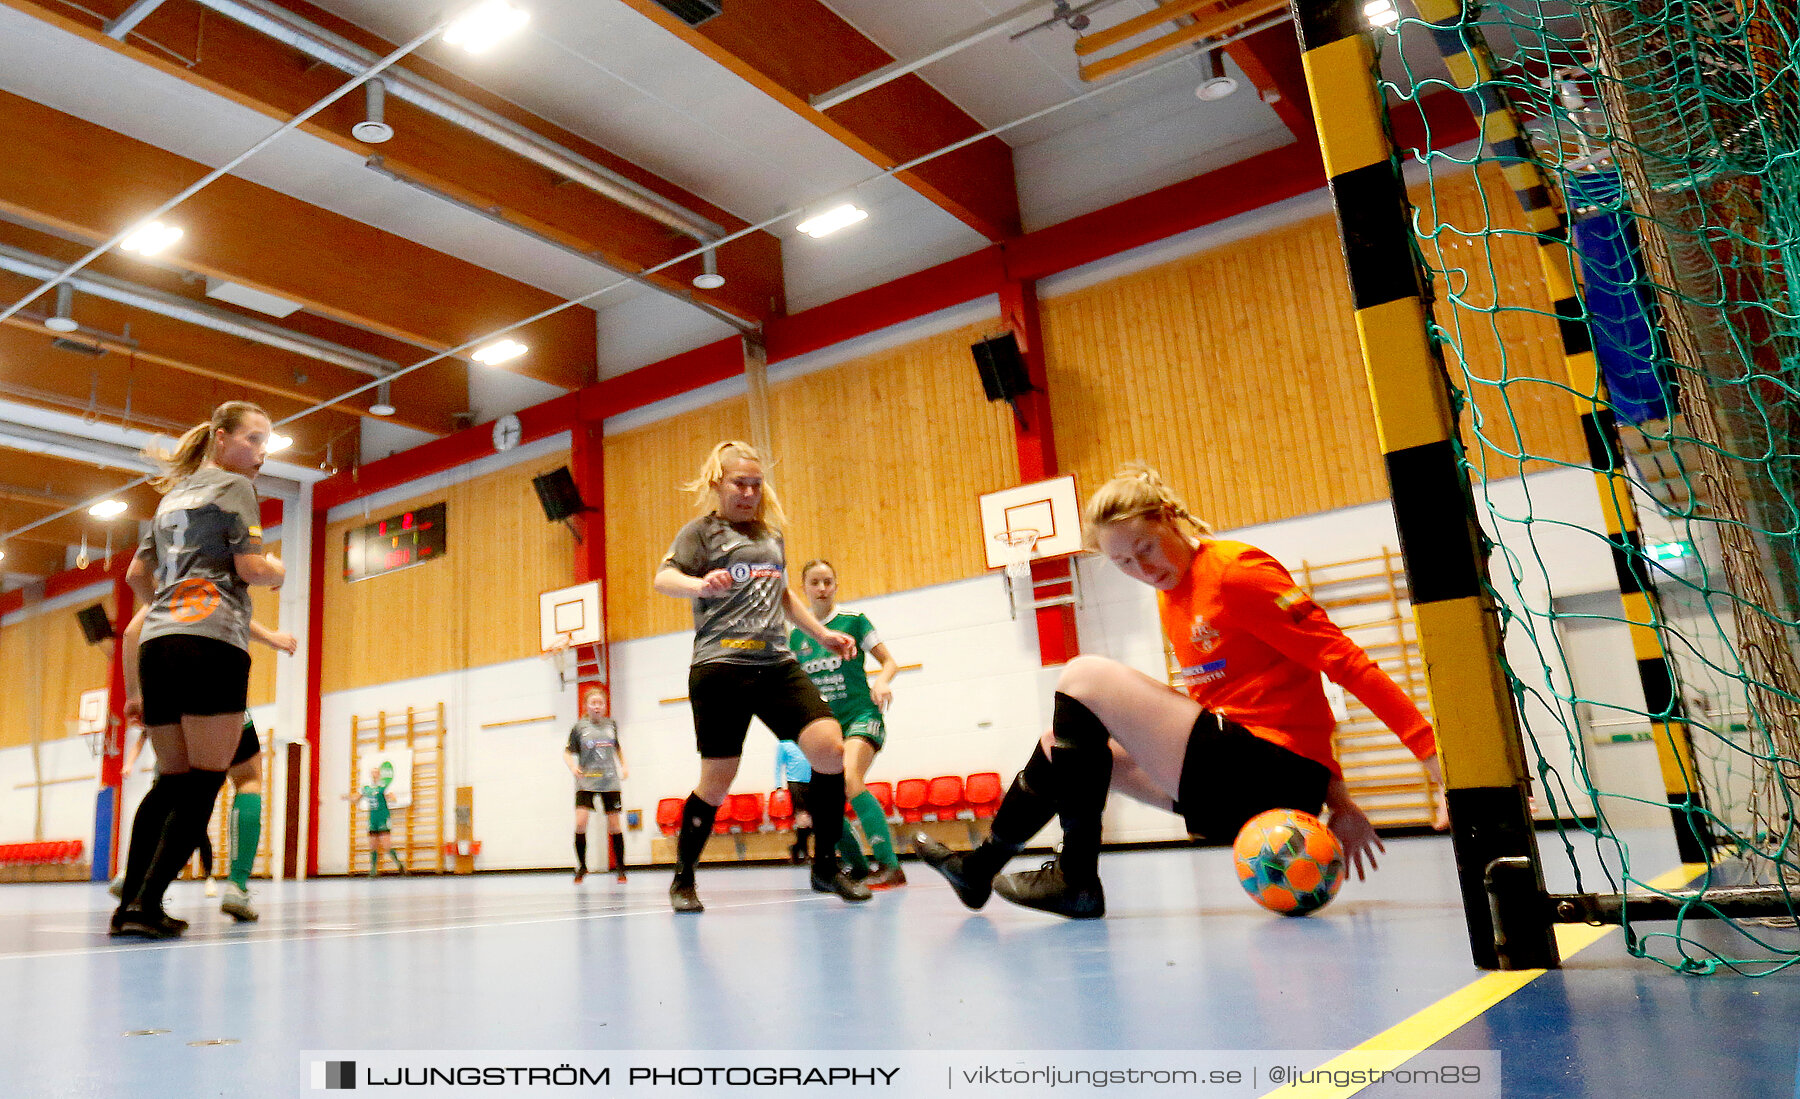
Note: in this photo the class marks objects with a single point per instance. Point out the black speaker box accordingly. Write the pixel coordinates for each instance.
(557, 492)
(1002, 367)
(94, 624)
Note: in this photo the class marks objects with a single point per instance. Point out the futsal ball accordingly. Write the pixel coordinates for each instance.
(1288, 861)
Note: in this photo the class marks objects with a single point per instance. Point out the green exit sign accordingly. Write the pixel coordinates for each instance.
(1669, 551)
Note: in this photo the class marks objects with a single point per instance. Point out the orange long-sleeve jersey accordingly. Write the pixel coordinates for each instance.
(1251, 646)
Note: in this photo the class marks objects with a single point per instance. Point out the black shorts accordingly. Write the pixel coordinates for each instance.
(726, 696)
(185, 675)
(248, 746)
(1230, 774)
(609, 799)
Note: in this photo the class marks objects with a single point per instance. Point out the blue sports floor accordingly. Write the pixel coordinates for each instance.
(534, 962)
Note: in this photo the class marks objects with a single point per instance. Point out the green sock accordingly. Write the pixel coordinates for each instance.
(875, 826)
(374, 862)
(246, 832)
(395, 855)
(850, 851)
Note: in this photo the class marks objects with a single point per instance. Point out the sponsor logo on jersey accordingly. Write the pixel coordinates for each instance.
(822, 664)
(749, 643)
(193, 599)
(1203, 635)
(742, 571)
(1195, 674)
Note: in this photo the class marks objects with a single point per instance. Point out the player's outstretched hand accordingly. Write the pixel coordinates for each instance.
(1356, 834)
(840, 643)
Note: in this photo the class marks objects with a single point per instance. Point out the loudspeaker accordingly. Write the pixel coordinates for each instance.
(557, 492)
(94, 624)
(1002, 367)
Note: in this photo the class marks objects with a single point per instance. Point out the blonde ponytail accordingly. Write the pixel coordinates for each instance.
(1136, 490)
(195, 444)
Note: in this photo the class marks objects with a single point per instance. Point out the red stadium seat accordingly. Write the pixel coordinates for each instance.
(909, 799)
(944, 797)
(884, 796)
(668, 815)
(747, 812)
(982, 792)
(781, 810)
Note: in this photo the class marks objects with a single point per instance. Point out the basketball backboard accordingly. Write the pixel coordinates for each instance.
(570, 615)
(1047, 507)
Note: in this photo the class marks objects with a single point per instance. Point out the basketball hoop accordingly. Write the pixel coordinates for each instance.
(558, 655)
(1017, 547)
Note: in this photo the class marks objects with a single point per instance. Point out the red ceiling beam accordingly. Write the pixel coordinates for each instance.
(1271, 59)
(793, 50)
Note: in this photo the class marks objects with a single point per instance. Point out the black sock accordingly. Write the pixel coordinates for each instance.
(1023, 812)
(581, 851)
(825, 801)
(802, 837)
(1082, 762)
(696, 828)
(618, 852)
(191, 807)
(146, 828)
(206, 851)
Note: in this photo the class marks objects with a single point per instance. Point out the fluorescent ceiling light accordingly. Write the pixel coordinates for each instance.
(106, 509)
(1381, 13)
(148, 240)
(484, 25)
(499, 351)
(279, 443)
(832, 220)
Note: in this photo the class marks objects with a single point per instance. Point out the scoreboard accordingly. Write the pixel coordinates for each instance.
(397, 542)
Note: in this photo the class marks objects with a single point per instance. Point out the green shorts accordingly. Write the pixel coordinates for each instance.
(868, 728)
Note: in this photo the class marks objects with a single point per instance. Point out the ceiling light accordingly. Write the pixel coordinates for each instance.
(384, 401)
(709, 279)
(831, 220)
(279, 443)
(1381, 13)
(1217, 84)
(65, 303)
(480, 28)
(373, 129)
(106, 509)
(148, 240)
(499, 351)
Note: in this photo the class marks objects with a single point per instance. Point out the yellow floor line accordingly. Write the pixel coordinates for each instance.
(1405, 1040)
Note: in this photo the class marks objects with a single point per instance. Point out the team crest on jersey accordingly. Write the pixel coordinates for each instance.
(1203, 635)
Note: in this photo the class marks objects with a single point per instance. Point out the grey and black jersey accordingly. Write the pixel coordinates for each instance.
(595, 743)
(201, 525)
(747, 624)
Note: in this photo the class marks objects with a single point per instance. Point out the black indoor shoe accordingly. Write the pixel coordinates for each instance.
(972, 893)
(683, 898)
(1047, 891)
(841, 884)
(145, 923)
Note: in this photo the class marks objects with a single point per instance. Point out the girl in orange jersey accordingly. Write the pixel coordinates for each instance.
(1252, 732)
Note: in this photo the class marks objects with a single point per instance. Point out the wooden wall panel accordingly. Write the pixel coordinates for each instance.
(265, 607)
(48, 664)
(477, 605)
(645, 469)
(882, 461)
(1493, 306)
(1237, 373)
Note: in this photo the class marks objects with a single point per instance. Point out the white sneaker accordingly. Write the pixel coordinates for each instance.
(236, 904)
(212, 888)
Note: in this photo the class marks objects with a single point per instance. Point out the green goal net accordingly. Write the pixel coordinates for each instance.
(1615, 275)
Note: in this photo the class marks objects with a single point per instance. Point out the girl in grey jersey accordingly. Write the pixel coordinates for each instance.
(187, 661)
(731, 563)
(597, 760)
